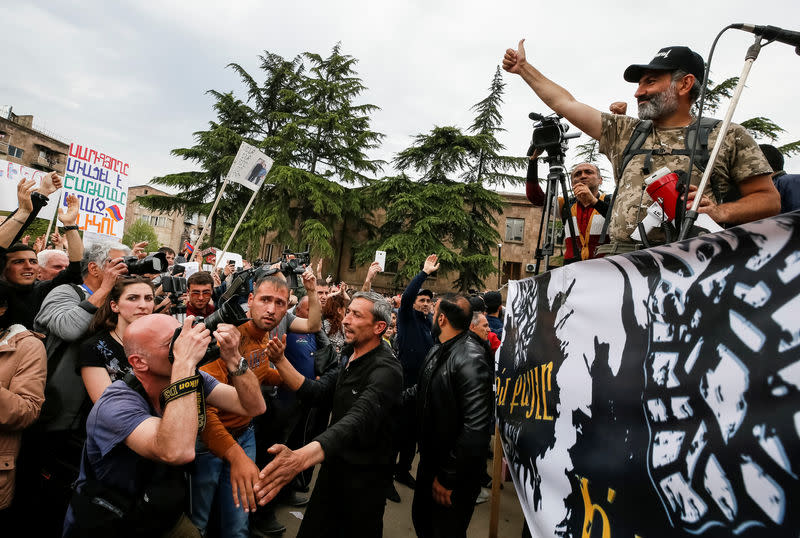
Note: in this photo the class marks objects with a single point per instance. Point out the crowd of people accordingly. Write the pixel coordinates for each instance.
(127, 408)
(130, 410)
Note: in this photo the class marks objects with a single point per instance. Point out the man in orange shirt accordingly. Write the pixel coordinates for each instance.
(225, 455)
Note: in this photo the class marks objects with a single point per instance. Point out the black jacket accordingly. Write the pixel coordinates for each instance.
(414, 338)
(366, 396)
(454, 405)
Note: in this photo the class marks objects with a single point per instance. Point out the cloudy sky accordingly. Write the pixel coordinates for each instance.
(130, 77)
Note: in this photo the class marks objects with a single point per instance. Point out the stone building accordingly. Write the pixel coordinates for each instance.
(23, 142)
(171, 228)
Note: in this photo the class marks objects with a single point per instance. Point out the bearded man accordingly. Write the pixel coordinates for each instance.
(740, 189)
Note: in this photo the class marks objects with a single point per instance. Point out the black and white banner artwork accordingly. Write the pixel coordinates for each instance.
(657, 393)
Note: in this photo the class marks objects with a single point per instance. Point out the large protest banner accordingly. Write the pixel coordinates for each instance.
(10, 176)
(100, 182)
(657, 393)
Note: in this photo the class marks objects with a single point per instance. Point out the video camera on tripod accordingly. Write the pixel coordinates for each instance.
(550, 136)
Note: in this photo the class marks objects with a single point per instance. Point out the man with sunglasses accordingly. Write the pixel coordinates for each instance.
(199, 288)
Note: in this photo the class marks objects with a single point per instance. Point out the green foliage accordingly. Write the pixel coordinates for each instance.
(141, 231)
(302, 113)
(715, 95)
(791, 149)
(760, 128)
(488, 165)
(449, 211)
(214, 152)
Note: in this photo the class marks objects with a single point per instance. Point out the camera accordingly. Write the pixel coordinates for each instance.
(229, 312)
(174, 287)
(153, 263)
(549, 134)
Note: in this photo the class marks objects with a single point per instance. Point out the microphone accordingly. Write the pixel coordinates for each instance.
(772, 33)
(536, 117)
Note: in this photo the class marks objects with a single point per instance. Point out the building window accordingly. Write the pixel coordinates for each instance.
(352, 265)
(514, 229)
(391, 266)
(15, 151)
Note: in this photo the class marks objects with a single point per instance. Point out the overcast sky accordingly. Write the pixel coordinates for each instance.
(130, 77)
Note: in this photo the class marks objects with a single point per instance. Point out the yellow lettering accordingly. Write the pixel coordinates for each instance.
(547, 370)
(538, 399)
(504, 392)
(589, 511)
(525, 400)
(517, 390)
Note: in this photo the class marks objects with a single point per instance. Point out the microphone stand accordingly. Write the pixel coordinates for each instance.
(691, 215)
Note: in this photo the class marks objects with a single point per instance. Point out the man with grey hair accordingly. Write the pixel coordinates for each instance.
(740, 189)
(52, 445)
(51, 262)
(357, 449)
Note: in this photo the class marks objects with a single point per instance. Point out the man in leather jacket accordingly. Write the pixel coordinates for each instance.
(453, 401)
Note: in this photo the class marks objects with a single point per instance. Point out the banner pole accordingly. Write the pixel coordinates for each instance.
(208, 219)
(55, 216)
(235, 229)
(497, 471)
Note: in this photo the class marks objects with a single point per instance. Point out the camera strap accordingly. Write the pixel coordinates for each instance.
(183, 387)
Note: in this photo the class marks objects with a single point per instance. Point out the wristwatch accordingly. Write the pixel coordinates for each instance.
(241, 370)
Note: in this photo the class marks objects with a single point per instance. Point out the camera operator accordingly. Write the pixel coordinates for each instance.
(142, 427)
(52, 447)
(20, 268)
(229, 440)
(667, 88)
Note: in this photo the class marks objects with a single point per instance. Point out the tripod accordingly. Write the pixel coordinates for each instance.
(555, 178)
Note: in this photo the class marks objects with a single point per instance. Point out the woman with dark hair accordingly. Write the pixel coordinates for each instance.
(102, 358)
(332, 317)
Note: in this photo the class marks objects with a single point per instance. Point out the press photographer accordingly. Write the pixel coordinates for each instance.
(140, 489)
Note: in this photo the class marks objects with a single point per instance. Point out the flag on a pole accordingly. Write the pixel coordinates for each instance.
(250, 167)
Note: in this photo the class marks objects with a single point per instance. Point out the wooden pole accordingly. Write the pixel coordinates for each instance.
(497, 471)
(208, 220)
(55, 216)
(235, 229)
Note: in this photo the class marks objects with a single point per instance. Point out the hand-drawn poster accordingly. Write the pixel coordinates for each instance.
(100, 182)
(10, 176)
(657, 393)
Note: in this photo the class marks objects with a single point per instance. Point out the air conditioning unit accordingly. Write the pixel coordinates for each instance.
(529, 267)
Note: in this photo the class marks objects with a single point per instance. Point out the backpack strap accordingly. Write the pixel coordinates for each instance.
(635, 143)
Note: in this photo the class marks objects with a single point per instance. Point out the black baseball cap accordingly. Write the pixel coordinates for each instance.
(669, 59)
(425, 291)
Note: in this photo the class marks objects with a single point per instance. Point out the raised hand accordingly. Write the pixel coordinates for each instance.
(275, 348)
(24, 189)
(514, 60)
(50, 183)
(431, 264)
(70, 216)
(618, 107)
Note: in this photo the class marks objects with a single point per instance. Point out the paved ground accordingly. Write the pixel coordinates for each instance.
(397, 519)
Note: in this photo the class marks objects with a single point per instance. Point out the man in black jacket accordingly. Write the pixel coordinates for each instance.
(453, 403)
(413, 342)
(357, 449)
